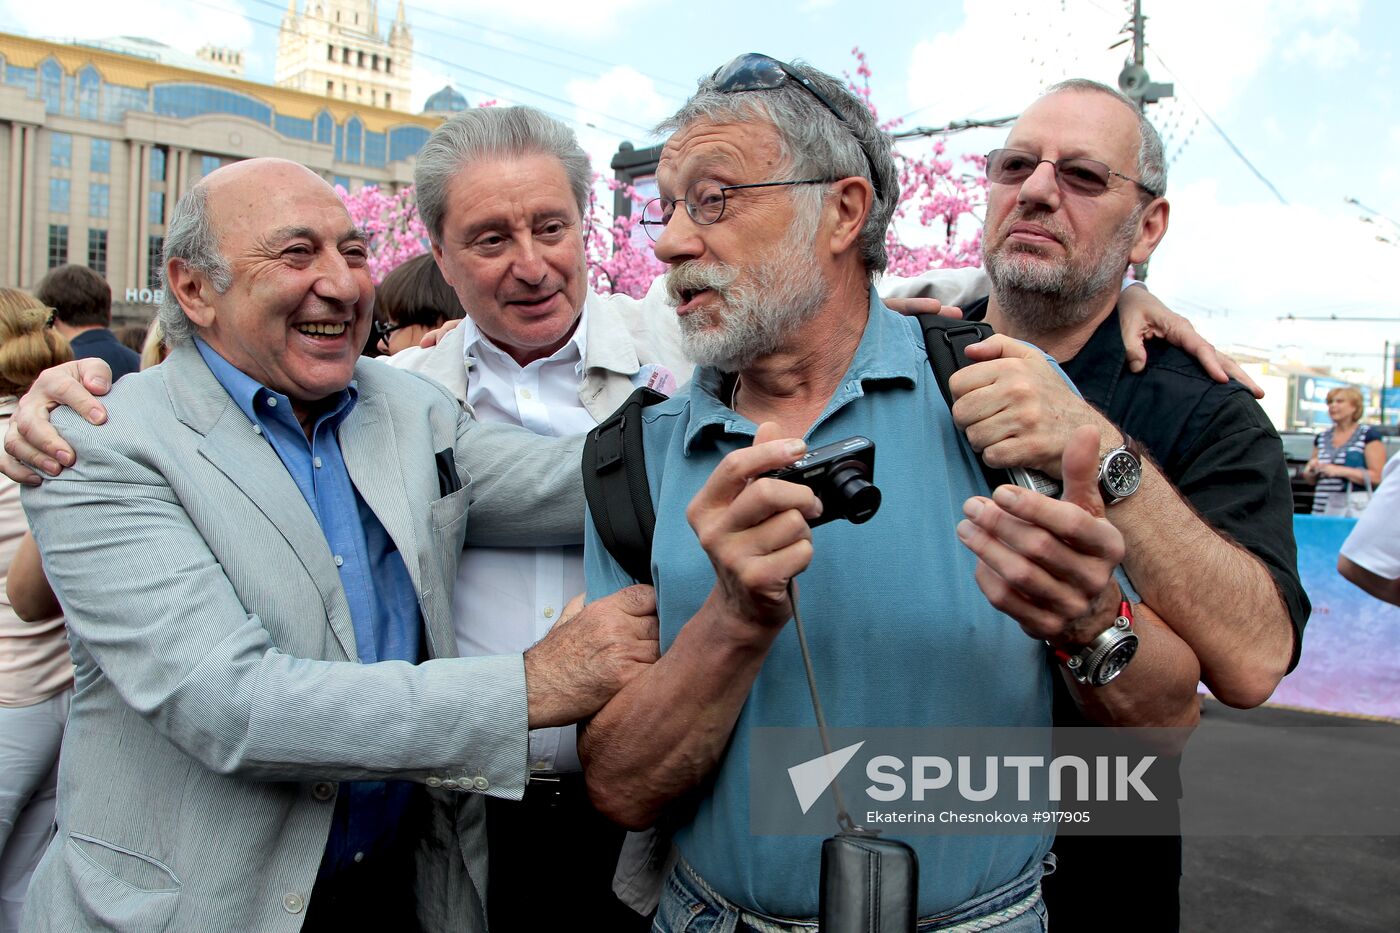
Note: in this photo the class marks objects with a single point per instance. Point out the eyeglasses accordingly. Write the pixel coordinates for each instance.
(383, 330)
(704, 201)
(754, 71)
(1081, 176)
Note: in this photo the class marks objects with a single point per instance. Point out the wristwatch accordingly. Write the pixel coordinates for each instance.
(1105, 657)
(1120, 472)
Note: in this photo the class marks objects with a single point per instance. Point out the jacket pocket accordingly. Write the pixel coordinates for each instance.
(119, 888)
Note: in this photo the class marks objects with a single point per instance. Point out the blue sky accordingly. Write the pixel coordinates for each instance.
(1305, 89)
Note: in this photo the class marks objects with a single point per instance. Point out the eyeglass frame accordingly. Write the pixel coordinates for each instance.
(1055, 164)
(726, 87)
(384, 330)
(646, 225)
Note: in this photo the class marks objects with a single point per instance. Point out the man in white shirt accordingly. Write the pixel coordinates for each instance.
(1370, 555)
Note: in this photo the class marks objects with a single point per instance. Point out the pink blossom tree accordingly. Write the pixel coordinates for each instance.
(396, 233)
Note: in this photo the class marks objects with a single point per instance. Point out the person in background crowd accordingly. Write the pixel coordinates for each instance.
(154, 350)
(82, 304)
(1347, 460)
(1370, 555)
(36, 674)
(132, 336)
(412, 300)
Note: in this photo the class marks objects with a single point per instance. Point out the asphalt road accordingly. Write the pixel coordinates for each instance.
(1272, 770)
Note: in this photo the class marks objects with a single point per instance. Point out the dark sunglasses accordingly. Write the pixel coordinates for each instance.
(754, 71)
(1081, 176)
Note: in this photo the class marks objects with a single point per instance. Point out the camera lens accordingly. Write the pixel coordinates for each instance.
(858, 497)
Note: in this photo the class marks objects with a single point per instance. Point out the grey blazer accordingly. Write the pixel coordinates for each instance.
(218, 701)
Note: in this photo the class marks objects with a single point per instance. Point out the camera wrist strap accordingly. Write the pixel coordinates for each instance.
(843, 818)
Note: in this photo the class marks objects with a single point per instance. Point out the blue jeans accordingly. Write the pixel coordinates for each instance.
(689, 905)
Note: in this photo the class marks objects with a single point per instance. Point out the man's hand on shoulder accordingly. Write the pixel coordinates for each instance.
(1049, 563)
(589, 655)
(1016, 410)
(31, 442)
(1141, 316)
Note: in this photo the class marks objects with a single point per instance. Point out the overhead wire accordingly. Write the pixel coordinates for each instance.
(455, 66)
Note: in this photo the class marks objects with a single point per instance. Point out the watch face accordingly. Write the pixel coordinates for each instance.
(1121, 474)
(1118, 657)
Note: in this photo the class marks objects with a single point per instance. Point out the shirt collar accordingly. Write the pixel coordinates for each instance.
(475, 345)
(888, 352)
(247, 391)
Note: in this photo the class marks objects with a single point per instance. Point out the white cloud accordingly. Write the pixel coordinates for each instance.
(182, 26)
(621, 92)
(1328, 51)
(1235, 268)
(1006, 50)
(576, 19)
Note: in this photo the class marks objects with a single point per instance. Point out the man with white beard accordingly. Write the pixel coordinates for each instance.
(776, 191)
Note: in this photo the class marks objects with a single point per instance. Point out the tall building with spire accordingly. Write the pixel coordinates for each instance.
(334, 48)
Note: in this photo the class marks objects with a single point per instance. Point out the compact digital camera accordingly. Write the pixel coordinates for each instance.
(840, 474)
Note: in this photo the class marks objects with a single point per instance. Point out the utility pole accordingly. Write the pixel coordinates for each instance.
(1137, 85)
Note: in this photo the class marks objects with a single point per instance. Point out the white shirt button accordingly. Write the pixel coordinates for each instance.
(359, 856)
(525, 393)
(271, 402)
(257, 429)
(339, 560)
(434, 782)
(450, 784)
(316, 462)
(293, 903)
(480, 783)
(549, 612)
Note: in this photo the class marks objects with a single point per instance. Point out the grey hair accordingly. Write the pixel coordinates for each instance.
(1152, 162)
(494, 132)
(190, 238)
(813, 142)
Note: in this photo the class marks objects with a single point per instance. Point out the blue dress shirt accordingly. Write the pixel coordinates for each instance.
(383, 605)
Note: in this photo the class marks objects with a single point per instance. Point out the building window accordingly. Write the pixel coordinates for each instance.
(101, 162)
(374, 62)
(345, 56)
(157, 163)
(58, 245)
(156, 210)
(330, 53)
(89, 83)
(58, 195)
(388, 65)
(61, 151)
(51, 85)
(154, 247)
(330, 88)
(208, 164)
(342, 181)
(387, 97)
(99, 196)
(359, 59)
(97, 251)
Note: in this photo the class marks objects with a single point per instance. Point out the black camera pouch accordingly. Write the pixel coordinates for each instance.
(868, 885)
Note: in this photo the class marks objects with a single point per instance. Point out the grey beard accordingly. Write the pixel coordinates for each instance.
(1045, 299)
(755, 319)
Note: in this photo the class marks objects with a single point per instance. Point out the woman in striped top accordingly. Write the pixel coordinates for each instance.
(1347, 460)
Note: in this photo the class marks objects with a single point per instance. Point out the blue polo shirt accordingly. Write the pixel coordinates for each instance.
(383, 604)
(900, 634)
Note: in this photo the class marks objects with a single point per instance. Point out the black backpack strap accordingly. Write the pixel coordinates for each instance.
(615, 484)
(946, 340)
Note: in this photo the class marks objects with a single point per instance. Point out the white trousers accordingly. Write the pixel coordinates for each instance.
(30, 737)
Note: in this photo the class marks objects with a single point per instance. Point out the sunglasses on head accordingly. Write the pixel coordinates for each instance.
(754, 71)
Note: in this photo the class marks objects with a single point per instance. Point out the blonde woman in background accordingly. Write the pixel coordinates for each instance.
(154, 351)
(1347, 460)
(36, 672)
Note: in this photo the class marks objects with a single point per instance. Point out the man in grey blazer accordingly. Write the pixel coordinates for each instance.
(256, 555)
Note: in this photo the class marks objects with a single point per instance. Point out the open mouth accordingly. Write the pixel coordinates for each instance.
(691, 298)
(321, 329)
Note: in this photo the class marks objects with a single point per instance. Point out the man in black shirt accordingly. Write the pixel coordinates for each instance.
(1075, 197)
(82, 304)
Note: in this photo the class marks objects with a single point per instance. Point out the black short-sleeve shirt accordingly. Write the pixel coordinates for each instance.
(1212, 441)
